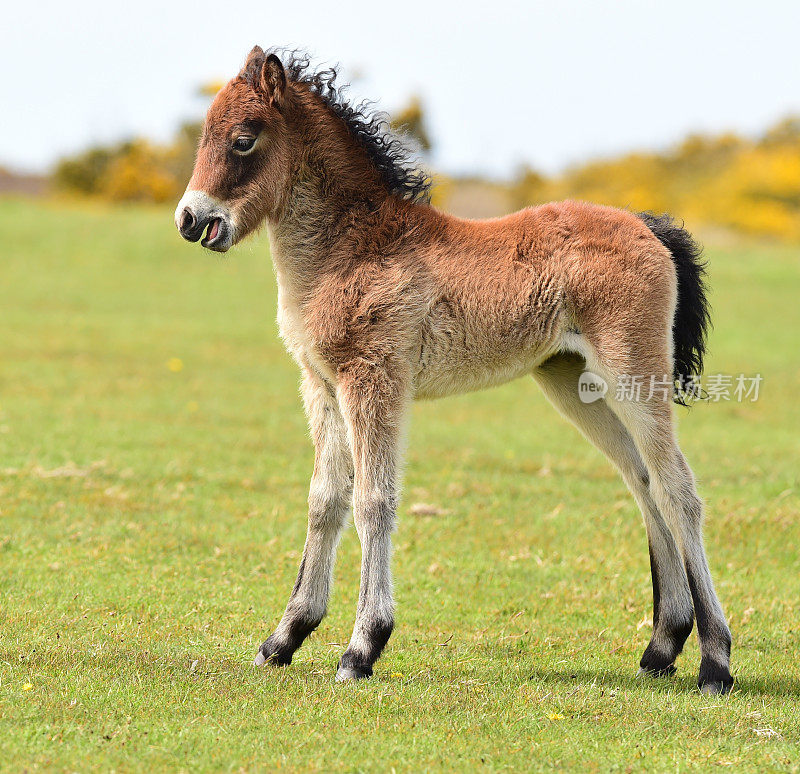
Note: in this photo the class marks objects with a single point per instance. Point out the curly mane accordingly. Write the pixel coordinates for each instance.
(388, 152)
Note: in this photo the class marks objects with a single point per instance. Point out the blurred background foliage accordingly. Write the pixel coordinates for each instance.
(719, 184)
(410, 121)
(748, 186)
(134, 170)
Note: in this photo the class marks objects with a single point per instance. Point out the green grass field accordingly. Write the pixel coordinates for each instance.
(154, 462)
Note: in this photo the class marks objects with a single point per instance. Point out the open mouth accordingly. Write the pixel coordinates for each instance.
(213, 231)
(216, 237)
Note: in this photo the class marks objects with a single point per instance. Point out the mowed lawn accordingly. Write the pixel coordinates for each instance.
(154, 463)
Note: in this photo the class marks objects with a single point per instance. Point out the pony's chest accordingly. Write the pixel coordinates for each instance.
(292, 326)
(295, 330)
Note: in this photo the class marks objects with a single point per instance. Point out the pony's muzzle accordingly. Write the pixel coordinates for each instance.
(197, 212)
(188, 225)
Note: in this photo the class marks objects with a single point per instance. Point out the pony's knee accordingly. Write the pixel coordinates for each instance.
(328, 506)
(680, 504)
(374, 513)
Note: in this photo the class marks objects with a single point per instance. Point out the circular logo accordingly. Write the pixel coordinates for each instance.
(591, 387)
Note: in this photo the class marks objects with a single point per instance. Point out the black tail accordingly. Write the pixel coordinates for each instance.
(692, 314)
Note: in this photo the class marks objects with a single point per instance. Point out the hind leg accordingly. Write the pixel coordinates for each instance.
(673, 490)
(672, 602)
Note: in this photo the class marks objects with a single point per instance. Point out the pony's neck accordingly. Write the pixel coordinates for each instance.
(330, 159)
(333, 185)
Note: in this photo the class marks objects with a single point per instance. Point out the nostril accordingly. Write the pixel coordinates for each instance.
(188, 220)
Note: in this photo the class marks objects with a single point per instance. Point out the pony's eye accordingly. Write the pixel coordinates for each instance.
(244, 144)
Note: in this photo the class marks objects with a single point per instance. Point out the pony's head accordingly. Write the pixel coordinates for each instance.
(243, 159)
(280, 122)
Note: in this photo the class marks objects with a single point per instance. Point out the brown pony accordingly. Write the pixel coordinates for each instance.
(383, 299)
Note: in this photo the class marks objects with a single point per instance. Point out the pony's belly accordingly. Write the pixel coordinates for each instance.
(463, 351)
(474, 371)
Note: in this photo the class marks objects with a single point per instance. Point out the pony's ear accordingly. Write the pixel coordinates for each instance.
(273, 80)
(251, 69)
(256, 54)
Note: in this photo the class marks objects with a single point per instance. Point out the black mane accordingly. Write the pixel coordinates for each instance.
(390, 155)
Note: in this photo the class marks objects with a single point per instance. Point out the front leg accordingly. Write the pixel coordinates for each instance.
(373, 401)
(328, 504)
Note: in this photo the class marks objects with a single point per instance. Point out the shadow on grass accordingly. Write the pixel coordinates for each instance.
(766, 685)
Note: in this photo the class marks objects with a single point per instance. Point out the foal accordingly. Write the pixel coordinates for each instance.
(382, 299)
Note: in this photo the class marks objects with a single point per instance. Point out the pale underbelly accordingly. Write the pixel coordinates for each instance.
(438, 379)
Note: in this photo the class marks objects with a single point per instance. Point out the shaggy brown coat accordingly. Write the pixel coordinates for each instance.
(384, 299)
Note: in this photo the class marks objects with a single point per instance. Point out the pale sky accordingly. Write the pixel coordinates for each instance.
(547, 83)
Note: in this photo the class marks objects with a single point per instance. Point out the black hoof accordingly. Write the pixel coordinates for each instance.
(351, 667)
(714, 679)
(666, 671)
(656, 663)
(343, 674)
(274, 653)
